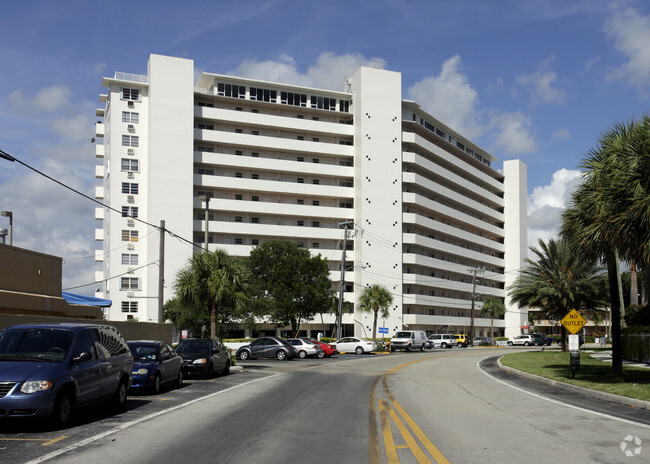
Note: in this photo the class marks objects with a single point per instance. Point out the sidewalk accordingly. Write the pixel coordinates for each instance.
(606, 356)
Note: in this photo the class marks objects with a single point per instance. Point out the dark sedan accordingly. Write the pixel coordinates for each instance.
(267, 347)
(155, 363)
(204, 356)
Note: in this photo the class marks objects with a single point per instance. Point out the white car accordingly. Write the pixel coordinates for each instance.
(306, 348)
(356, 345)
(526, 340)
(441, 341)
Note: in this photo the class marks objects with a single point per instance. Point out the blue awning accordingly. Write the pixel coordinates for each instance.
(74, 298)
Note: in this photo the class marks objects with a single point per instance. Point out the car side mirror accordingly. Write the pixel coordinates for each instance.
(85, 356)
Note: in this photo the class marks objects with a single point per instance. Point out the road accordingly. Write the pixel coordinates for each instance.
(437, 406)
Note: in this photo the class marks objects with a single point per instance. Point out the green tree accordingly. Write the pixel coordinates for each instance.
(374, 299)
(559, 280)
(215, 284)
(294, 285)
(185, 317)
(495, 308)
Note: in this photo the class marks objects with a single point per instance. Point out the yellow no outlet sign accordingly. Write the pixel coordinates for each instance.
(573, 321)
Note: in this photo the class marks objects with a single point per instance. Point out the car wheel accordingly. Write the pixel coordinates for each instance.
(392, 349)
(526, 344)
(119, 397)
(226, 370)
(302, 354)
(178, 383)
(443, 345)
(459, 345)
(359, 350)
(321, 354)
(509, 343)
(422, 348)
(281, 355)
(62, 411)
(155, 388)
(244, 355)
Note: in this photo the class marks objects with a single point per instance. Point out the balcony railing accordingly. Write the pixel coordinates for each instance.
(131, 77)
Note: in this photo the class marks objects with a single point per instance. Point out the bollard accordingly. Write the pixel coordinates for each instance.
(574, 362)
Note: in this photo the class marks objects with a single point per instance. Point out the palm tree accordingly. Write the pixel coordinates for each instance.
(374, 299)
(216, 282)
(560, 280)
(495, 308)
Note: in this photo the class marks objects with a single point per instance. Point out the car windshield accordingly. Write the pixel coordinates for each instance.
(144, 352)
(35, 344)
(193, 346)
(402, 335)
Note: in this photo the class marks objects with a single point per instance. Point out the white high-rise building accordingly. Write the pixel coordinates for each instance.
(434, 221)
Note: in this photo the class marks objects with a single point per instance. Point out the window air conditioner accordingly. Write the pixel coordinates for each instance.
(130, 294)
(130, 151)
(130, 198)
(130, 222)
(131, 104)
(130, 246)
(130, 175)
(131, 128)
(129, 270)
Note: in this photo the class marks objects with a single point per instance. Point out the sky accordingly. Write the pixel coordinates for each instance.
(536, 80)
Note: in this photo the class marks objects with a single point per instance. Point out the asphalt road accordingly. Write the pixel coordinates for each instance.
(437, 406)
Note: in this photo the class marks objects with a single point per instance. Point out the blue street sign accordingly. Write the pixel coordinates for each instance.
(383, 330)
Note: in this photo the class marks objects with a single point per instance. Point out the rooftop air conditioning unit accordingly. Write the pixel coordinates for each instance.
(129, 270)
(131, 128)
(130, 175)
(130, 294)
(130, 222)
(130, 151)
(130, 198)
(130, 246)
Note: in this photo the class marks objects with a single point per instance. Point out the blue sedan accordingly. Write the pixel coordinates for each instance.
(155, 363)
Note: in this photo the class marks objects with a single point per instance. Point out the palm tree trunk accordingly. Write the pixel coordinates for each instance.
(491, 330)
(213, 320)
(617, 355)
(634, 288)
(374, 327)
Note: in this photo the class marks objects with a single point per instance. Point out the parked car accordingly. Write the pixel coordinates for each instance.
(205, 356)
(541, 339)
(47, 370)
(330, 349)
(355, 345)
(526, 340)
(461, 341)
(267, 347)
(408, 340)
(306, 347)
(442, 340)
(482, 341)
(155, 363)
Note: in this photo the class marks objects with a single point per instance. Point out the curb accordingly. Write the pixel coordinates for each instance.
(641, 404)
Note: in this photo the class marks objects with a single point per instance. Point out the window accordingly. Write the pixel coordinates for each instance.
(300, 137)
(324, 103)
(231, 90)
(255, 176)
(205, 126)
(300, 180)
(266, 95)
(255, 154)
(130, 165)
(239, 241)
(206, 148)
(205, 194)
(255, 241)
(255, 132)
(344, 106)
(129, 259)
(129, 283)
(206, 172)
(238, 197)
(300, 223)
(131, 94)
(209, 105)
(294, 99)
(238, 219)
(130, 140)
(239, 174)
(315, 224)
(129, 188)
(315, 245)
(301, 244)
(129, 306)
(316, 160)
(255, 220)
(315, 203)
(129, 235)
(255, 198)
(130, 211)
(315, 181)
(300, 201)
(130, 117)
(300, 158)
(345, 204)
(239, 131)
(238, 152)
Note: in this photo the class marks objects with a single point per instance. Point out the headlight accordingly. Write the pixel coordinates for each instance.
(141, 372)
(200, 361)
(34, 386)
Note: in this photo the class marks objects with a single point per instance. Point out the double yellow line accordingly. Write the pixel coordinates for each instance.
(391, 410)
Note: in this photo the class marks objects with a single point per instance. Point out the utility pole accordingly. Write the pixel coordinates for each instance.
(161, 271)
(339, 315)
(474, 272)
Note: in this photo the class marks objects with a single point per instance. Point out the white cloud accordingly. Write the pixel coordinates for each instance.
(48, 99)
(562, 134)
(450, 98)
(541, 85)
(547, 202)
(513, 134)
(630, 31)
(75, 128)
(329, 71)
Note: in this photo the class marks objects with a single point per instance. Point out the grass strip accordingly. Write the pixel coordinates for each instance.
(593, 373)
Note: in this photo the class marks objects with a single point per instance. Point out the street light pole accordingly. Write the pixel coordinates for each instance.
(474, 271)
(206, 198)
(342, 282)
(10, 215)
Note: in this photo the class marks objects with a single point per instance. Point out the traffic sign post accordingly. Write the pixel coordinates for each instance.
(383, 330)
(574, 323)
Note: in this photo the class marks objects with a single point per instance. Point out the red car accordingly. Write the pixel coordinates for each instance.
(327, 348)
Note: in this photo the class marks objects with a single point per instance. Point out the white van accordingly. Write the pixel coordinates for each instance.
(409, 340)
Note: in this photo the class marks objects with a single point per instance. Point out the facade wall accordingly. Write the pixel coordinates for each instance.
(293, 163)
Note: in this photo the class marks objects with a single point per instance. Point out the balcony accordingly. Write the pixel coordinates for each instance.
(99, 129)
